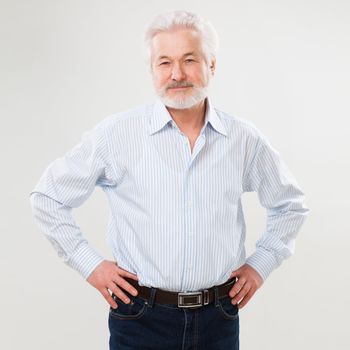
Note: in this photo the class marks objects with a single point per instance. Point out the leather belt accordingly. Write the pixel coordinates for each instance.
(184, 299)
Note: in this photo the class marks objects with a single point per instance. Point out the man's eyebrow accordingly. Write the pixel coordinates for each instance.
(186, 54)
(162, 57)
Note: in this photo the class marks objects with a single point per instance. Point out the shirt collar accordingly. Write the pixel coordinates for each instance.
(162, 117)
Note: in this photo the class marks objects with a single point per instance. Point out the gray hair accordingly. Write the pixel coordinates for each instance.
(183, 19)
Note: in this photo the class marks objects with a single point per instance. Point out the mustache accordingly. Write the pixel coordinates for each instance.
(179, 85)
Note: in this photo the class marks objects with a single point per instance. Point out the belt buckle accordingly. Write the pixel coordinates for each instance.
(202, 299)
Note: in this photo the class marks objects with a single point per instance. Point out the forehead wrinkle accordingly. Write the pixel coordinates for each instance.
(192, 53)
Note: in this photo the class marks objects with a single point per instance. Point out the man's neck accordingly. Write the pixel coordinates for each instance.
(190, 119)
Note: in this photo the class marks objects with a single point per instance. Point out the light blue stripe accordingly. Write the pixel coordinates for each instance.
(176, 216)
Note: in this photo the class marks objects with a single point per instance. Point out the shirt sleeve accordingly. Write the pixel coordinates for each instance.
(65, 184)
(280, 194)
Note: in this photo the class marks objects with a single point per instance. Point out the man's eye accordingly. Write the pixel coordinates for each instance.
(189, 60)
(164, 63)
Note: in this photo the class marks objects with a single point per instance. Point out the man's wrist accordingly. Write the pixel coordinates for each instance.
(264, 262)
(85, 260)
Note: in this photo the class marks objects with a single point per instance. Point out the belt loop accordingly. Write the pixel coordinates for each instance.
(152, 296)
(216, 296)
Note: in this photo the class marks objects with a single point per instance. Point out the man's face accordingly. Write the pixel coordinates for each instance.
(179, 70)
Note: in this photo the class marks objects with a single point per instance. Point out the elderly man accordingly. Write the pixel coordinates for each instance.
(174, 172)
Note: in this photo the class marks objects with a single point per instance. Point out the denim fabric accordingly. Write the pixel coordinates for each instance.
(146, 325)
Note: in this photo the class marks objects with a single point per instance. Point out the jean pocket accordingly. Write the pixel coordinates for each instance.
(135, 309)
(227, 309)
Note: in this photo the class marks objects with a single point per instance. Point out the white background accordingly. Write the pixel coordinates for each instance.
(283, 65)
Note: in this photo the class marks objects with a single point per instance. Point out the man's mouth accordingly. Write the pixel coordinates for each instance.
(179, 88)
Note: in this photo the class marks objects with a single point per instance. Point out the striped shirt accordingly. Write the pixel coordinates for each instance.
(176, 217)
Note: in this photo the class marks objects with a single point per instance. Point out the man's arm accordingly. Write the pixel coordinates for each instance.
(283, 199)
(65, 184)
(56, 222)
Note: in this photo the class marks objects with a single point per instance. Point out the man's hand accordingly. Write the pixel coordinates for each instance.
(249, 281)
(108, 275)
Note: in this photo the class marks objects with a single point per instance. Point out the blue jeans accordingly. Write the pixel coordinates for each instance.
(147, 325)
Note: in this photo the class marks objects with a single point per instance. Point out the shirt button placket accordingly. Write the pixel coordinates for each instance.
(188, 217)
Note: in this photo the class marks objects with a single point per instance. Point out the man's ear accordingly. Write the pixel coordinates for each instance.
(212, 65)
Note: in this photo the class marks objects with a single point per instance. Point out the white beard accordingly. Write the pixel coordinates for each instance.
(181, 101)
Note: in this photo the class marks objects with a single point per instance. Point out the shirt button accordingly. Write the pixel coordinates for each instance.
(189, 267)
(188, 203)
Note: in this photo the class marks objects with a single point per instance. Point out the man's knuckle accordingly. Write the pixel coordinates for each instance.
(240, 295)
(120, 294)
(116, 278)
(103, 291)
(247, 287)
(239, 285)
(235, 291)
(124, 284)
(113, 290)
(255, 284)
(242, 282)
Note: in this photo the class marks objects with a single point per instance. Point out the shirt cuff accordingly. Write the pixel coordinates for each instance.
(263, 261)
(84, 260)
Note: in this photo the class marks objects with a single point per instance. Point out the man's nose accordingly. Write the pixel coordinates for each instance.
(177, 73)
